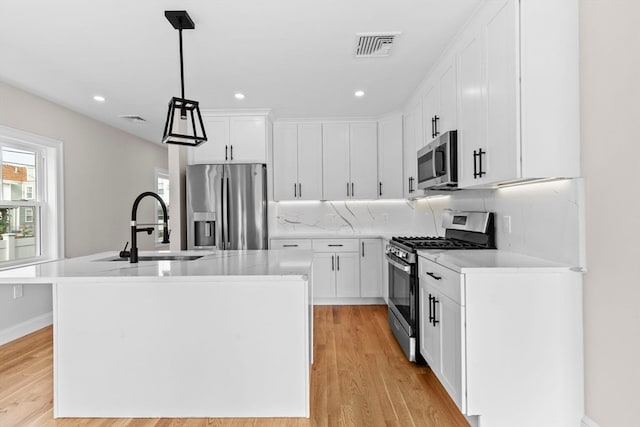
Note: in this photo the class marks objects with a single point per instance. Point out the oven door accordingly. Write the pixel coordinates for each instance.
(402, 293)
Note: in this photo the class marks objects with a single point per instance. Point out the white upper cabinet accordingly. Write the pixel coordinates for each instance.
(285, 161)
(390, 176)
(212, 151)
(310, 161)
(232, 138)
(439, 104)
(349, 159)
(336, 180)
(363, 149)
(518, 111)
(412, 141)
(247, 139)
(297, 165)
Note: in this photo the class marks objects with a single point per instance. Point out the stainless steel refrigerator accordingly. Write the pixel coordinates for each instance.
(227, 206)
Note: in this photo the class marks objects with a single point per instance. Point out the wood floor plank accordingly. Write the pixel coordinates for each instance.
(360, 377)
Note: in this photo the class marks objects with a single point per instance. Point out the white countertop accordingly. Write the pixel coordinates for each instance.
(214, 265)
(492, 261)
(329, 235)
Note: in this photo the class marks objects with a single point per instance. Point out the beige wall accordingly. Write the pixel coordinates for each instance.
(104, 170)
(610, 97)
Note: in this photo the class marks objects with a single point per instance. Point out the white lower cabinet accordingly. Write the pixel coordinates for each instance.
(345, 271)
(370, 268)
(505, 343)
(336, 274)
(440, 326)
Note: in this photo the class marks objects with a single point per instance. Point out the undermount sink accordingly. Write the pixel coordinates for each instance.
(165, 257)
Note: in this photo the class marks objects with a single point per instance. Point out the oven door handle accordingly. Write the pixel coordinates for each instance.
(405, 268)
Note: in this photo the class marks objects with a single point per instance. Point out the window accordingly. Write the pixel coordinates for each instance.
(162, 188)
(30, 201)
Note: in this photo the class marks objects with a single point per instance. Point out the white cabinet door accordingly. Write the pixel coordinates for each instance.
(371, 268)
(471, 123)
(347, 274)
(324, 276)
(285, 161)
(429, 333)
(310, 161)
(449, 318)
(247, 137)
(390, 172)
(448, 114)
(335, 160)
(502, 160)
(363, 143)
(212, 151)
(412, 136)
(430, 111)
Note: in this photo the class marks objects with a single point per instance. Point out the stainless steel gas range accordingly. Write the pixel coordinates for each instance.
(463, 230)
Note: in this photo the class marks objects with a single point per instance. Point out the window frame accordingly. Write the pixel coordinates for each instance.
(49, 198)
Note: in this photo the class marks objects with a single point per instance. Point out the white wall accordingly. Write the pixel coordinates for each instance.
(610, 116)
(104, 170)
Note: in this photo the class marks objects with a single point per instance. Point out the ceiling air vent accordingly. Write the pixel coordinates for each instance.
(371, 45)
(134, 118)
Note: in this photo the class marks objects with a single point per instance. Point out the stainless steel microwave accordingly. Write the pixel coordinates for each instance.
(438, 163)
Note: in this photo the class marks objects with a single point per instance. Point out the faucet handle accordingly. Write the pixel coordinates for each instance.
(125, 253)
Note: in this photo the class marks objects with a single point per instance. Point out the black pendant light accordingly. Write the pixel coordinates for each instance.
(184, 122)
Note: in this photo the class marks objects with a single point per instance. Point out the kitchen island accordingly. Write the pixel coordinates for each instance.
(225, 335)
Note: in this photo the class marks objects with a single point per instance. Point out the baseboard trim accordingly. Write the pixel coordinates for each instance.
(588, 422)
(348, 301)
(24, 328)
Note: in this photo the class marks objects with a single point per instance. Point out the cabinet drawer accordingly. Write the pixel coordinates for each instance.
(290, 244)
(445, 280)
(335, 245)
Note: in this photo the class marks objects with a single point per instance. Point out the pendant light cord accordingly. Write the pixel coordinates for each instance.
(181, 62)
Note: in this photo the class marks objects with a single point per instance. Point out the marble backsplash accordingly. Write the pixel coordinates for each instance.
(546, 218)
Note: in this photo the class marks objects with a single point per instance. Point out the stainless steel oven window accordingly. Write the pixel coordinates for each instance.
(401, 297)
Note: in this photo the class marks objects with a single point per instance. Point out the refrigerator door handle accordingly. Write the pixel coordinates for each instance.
(222, 216)
(226, 215)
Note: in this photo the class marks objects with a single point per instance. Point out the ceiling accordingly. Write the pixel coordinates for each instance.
(295, 57)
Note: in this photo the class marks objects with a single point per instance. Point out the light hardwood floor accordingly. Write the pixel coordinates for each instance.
(360, 378)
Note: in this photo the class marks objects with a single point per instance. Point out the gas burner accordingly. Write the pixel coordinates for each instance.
(437, 243)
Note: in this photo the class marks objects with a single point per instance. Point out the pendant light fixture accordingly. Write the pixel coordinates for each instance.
(184, 122)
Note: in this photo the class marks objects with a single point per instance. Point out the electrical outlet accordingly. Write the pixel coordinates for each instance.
(17, 291)
(506, 224)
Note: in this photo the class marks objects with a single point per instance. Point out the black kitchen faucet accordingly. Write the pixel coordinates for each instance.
(133, 256)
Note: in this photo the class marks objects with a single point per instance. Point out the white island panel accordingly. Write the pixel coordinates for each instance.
(143, 348)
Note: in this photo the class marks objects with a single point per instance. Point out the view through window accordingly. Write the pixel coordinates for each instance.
(162, 184)
(20, 204)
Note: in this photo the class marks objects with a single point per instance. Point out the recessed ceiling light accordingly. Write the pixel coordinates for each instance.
(99, 98)
(359, 93)
(239, 95)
